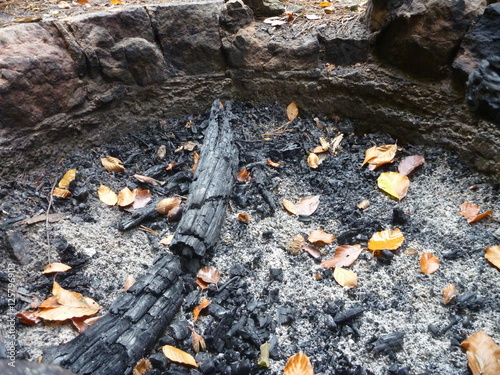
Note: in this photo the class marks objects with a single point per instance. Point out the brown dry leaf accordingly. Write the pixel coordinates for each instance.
(115, 2)
(165, 205)
(112, 164)
(243, 217)
(381, 155)
(483, 354)
(49, 303)
(479, 217)
(408, 164)
(82, 2)
(493, 255)
(72, 299)
(56, 267)
(429, 263)
(28, 317)
(142, 198)
(107, 196)
(386, 240)
(203, 285)
(166, 241)
(296, 245)
(299, 364)
(345, 255)
(61, 193)
(471, 212)
(209, 274)
(129, 282)
(125, 197)
(82, 323)
(345, 277)
(144, 365)
(149, 180)
(320, 149)
(394, 184)
(244, 176)
(198, 341)
(307, 206)
(290, 207)
(61, 313)
(67, 178)
(170, 166)
(313, 160)
(52, 218)
(179, 356)
(273, 164)
(312, 251)
(186, 146)
(292, 111)
(196, 159)
(449, 292)
(320, 238)
(196, 311)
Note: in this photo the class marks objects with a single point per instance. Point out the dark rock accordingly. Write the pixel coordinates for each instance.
(470, 301)
(179, 330)
(266, 8)
(482, 41)
(348, 315)
(18, 245)
(159, 361)
(276, 274)
(483, 88)
(235, 15)
(286, 315)
(388, 344)
(398, 216)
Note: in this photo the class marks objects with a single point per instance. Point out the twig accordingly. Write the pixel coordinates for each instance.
(51, 199)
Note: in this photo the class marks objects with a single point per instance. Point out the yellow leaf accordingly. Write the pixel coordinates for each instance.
(112, 164)
(449, 292)
(299, 364)
(61, 193)
(394, 183)
(67, 178)
(292, 111)
(107, 196)
(179, 356)
(313, 160)
(483, 354)
(325, 4)
(378, 156)
(345, 277)
(56, 267)
(165, 205)
(196, 311)
(493, 255)
(61, 313)
(429, 263)
(115, 2)
(320, 238)
(386, 240)
(125, 197)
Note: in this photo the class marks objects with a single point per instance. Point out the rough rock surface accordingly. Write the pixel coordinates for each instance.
(266, 8)
(483, 89)
(420, 36)
(482, 41)
(235, 15)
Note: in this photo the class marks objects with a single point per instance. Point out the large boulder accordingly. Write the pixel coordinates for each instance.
(422, 36)
(481, 42)
(483, 89)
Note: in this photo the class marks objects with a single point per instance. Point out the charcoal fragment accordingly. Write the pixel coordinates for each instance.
(276, 274)
(286, 315)
(348, 315)
(388, 344)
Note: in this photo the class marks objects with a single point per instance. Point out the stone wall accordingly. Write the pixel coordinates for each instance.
(80, 81)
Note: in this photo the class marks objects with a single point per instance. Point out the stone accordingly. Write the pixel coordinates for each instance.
(483, 89)
(235, 15)
(266, 8)
(422, 37)
(481, 41)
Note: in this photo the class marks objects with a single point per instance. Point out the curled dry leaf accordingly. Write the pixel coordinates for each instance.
(149, 180)
(56, 267)
(125, 197)
(244, 176)
(196, 159)
(386, 240)
(381, 155)
(198, 341)
(493, 255)
(345, 255)
(313, 160)
(345, 277)
(209, 274)
(203, 285)
(107, 196)
(312, 251)
(482, 353)
(408, 164)
(142, 198)
(143, 366)
(165, 205)
(296, 245)
(186, 146)
(292, 111)
(112, 164)
(179, 356)
(429, 263)
(61, 193)
(67, 178)
(129, 282)
(394, 184)
(298, 364)
(166, 241)
(320, 238)
(243, 217)
(449, 292)
(273, 164)
(28, 317)
(82, 323)
(471, 212)
(196, 311)
(170, 166)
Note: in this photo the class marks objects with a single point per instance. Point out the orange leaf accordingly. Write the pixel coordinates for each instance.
(83, 2)
(394, 183)
(386, 240)
(196, 159)
(449, 292)
(112, 164)
(408, 164)
(125, 197)
(56, 267)
(244, 176)
(290, 207)
(429, 263)
(82, 323)
(196, 311)
(313, 160)
(243, 217)
(493, 255)
(170, 166)
(28, 317)
(320, 238)
(307, 206)
(179, 356)
(209, 274)
(483, 354)
(72, 299)
(273, 164)
(378, 156)
(115, 2)
(61, 193)
(292, 111)
(107, 195)
(165, 205)
(471, 212)
(299, 364)
(203, 285)
(345, 255)
(67, 178)
(345, 277)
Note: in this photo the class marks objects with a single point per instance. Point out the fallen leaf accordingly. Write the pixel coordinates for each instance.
(166, 241)
(482, 353)
(394, 184)
(82, 323)
(365, 203)
(107, 196)
(196, 311)
(263, 359)
(243, 217)
(56, 267)
(198, 341)
(27, 19)
(170, 166)
(52, 218)
(165, 205)
(203, 285)
(325, 4)
(186, 146)
(244, 176)
(299, 364)
(429, 263)
(295, 246)
(71, 299)
(142, 198)
(386, 240)
(61, 193)
(115, 2)
(209, 274)
(408, 164)
(307, 206)
(345, 255)
(273, 164)
(329, 10)
(290, 207)
(144, 365)
(320, 238)
(312, 251)
(449, 292)
(319, 149)
(149, 180)
(381, 155)
(82, 1)
(129, 282)
(471, 212)
(196, 159)
(345, 277)
(292, 111)
(493, 255)
(67, 178)
(313, 160)
(125, 197)
(28, 317)
(179, 356)
(112, 164)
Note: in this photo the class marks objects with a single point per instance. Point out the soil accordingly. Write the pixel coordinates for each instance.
(392, 322)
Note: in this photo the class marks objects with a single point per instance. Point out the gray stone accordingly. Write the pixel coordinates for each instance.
(266, 8)
(483, 89)
(235, 15)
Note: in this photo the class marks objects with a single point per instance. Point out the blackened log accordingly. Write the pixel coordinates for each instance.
(199, 228)
(139, 216)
